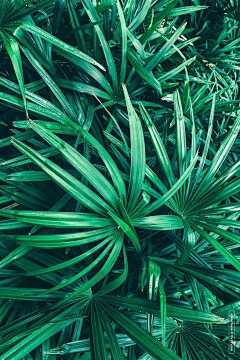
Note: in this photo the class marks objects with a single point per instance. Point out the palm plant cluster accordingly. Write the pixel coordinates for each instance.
(119, 192)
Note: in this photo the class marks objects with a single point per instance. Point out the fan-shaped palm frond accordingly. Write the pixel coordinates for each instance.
(119, 230)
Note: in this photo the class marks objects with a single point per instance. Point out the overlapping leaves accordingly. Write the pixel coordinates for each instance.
(119, 202)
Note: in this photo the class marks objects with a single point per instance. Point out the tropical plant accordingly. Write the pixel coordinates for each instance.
(119, 231)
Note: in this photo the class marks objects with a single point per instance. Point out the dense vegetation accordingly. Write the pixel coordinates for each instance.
(119, 193)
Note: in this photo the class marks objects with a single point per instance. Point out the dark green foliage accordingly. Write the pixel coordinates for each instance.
(119, 192)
